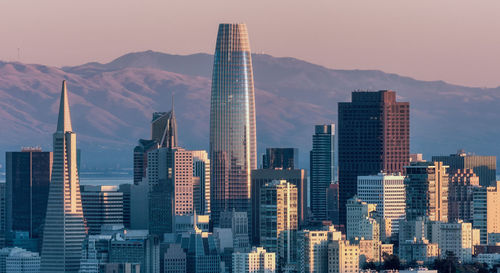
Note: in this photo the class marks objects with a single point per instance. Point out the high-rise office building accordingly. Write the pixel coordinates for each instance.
(373, 137)
(322, 168)
(170, 178)
(237, 221)
(278, 218)
(426, 186)
(332, 203)
(281, 159)
(102, 205)
(27, 181)
(388, 193)
(163, 134)
(297, 177)
(258, 261)
(136, 247)
(461, 189)
(201, 191)
(64, 229)
(3, 213)
(18, 260)
(141, 158)
(486, 216)
(233, 145)
(174, 260)
(485, 167)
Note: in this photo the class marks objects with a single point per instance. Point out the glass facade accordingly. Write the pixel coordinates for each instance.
(232, 121)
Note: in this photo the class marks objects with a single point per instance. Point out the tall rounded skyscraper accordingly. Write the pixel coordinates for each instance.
(233, 144)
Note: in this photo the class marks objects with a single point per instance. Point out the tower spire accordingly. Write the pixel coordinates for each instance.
(64, 120)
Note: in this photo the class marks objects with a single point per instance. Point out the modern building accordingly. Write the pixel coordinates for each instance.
(281, 159)
(170, 178)
(312, 248)
(174, 260)
(427, 191)
(126, 190)
(201, 189)
(359, 223)
(373, 137)
(457, 238)
(485, 167)
(101, 205)
(258, 260)
(95, 252)
(486, 216)
(27, 183)
(322, 168)
(3, 213)
(297, 177)
(332, 203)
(141, 158)
(185, 223)
(278, 219)
(388, 193)
(18, 260)
(342, 257)
(136, 247)
(120, 268)
(64, 229)
(461, 189)
(202, 253)
(233, 145)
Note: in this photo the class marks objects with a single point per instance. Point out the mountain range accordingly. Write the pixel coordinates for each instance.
(112, 105)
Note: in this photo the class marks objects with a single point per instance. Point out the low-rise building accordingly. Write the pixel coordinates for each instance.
(258, 260)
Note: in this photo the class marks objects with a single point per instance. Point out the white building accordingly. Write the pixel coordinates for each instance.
(257, 261)
(313, 249)
(457, 238)
(388, 193)
(358, 221)
(18, 260)
(343, 257)
(201, 191)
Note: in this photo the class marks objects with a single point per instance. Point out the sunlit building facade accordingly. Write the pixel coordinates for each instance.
(232, 121)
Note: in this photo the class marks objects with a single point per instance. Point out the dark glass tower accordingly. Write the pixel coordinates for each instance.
(27, 182)
(232, 121)
(281, 158)
(374, 136)
(322, 168)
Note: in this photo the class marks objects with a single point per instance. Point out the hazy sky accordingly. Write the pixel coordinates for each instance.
(453, 40)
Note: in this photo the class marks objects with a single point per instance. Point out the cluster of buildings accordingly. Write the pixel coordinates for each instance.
(216, 211)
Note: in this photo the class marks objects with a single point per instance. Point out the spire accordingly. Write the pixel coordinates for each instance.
(64, 120)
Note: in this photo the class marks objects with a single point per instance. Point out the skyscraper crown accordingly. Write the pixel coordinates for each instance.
(64, 120)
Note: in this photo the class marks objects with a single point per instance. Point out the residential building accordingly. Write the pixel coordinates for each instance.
(258, 261)
(388, 193)
(281, 159)
(483, 166)
(342, 257)
(457, 238)
(312, 248)
(374, 136)
(427, 191)
(297, 177)
(322, 168)
(418, 250)
(233, 144)
(359, 223)
(101, 205)
(462, 185)
(278, 214)
(27, 190)
(64, 229)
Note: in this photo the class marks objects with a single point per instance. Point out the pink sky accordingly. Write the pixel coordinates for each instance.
(457, 41)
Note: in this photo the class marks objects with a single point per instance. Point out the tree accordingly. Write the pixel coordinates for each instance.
(391, 262)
